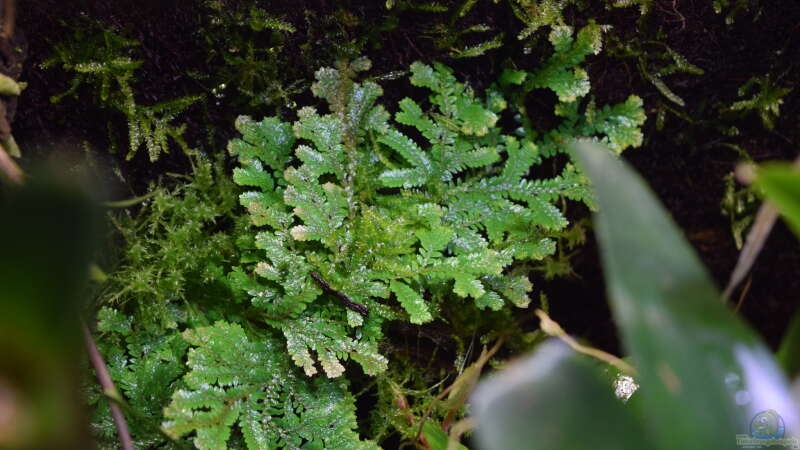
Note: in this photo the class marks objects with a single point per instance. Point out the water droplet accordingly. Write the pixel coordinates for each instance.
(732, 380)
(743, 397)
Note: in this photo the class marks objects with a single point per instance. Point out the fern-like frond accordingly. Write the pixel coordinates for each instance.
(370, 224)
(245, 380)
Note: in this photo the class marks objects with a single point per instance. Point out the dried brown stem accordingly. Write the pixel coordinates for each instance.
(109, 388)
(744, 293)
(552, 328)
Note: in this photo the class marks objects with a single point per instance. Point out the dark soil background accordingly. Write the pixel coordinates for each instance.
(681, 161)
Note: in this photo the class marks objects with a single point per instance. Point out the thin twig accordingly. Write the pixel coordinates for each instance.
(109, 388)
(552, 328)
(129, 202)
(357, 307)
(765, 219)
(744, 293)
(411, 43)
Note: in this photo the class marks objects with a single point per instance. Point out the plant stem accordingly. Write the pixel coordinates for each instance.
(109, 388)
(552, 328)
(128, 202)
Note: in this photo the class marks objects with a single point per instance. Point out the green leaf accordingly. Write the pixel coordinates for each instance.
(269, 141)
(514, 289)
(411, 301)
(621, 123)
(781, 186)
(261, 20)
(111, 320)
(466, 285)
(406, 147)
(491, 300)
(374, 209)
(329, 340)
(253, 174)
(682, 64)
(472, 51)
(406, 178)
(664, 89)
(788, 354)
(766, 101)
(147, 374)
(475, 119)
(569, 86)
(693, 355)
(423, 75)
(553, 400)
(521, 156)
(437, 438)
(435, 239)
(560, 73)
(510, 76)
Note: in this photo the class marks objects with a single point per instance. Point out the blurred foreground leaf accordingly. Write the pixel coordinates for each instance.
(45, 231)
(705, 376)
(555, 400)
(781, 186)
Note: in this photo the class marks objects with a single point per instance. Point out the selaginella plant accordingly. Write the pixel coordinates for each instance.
(361, 223)
(171, 277)
(359, 219)
(256, 386)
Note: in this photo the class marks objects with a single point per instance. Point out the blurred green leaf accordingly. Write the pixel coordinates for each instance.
(789, 352)
(437, 438)
(781, 186)
(554, 400)
(46, 231)
(693, 355)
